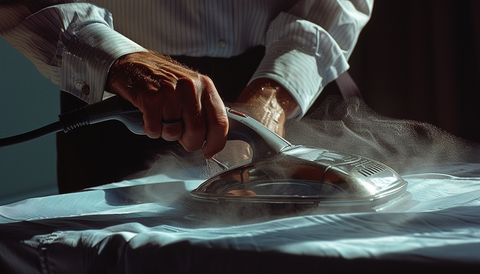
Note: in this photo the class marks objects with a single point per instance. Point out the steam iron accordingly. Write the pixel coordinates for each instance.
(283, 178)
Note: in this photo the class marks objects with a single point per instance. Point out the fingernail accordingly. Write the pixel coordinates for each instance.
(208, 155)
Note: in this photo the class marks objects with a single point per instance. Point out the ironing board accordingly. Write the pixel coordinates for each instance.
(142, 226)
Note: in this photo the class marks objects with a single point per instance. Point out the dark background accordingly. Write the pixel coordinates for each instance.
(28, 101)
(419, 60)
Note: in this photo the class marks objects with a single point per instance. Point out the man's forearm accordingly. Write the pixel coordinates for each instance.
(268, 102)
(309, 45)
(72, 44)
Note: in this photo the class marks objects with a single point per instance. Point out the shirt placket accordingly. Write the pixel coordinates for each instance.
(220, 27)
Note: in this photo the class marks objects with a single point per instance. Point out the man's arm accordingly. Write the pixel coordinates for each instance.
(74, 45)
(307, 47)
(268, 102)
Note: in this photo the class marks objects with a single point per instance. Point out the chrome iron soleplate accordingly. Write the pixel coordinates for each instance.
(306, 178)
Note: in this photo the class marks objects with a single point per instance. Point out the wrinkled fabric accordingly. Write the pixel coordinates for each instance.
(142, 226)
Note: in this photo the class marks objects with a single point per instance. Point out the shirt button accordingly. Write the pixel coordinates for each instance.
(86, 90)
(222, 44)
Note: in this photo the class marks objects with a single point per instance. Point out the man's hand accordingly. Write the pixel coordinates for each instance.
(177, 103)
(267, 102)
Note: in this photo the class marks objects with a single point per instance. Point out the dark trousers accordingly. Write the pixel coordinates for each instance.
(108, 152)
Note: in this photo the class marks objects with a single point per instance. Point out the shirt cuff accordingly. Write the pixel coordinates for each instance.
(299, 73)
(87, 58)
(302, 66)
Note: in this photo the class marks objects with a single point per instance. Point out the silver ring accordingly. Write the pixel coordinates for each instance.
(172, 122)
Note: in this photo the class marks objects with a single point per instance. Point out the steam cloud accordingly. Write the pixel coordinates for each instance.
(352, 127)
(348, 126)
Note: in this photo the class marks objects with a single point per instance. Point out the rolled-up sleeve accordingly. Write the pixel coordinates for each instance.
(309, 46)
(72, 44)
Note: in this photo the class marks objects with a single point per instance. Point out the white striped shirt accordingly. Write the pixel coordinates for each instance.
(73, 43)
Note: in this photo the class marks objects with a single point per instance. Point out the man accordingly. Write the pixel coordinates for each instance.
(304, 45)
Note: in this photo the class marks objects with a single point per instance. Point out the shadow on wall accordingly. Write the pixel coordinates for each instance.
(28, 101)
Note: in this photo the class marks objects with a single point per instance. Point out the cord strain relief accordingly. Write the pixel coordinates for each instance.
(74, 119)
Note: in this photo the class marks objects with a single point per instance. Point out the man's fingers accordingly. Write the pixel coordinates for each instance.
(172, 131)
(152, 119)
(177, 103)
(193, 117)
(216, 119)
(172, 123)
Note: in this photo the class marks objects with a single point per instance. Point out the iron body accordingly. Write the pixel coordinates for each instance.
(286, 178)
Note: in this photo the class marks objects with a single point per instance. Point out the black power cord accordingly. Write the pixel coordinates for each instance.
(52, 128)
(114, 108)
